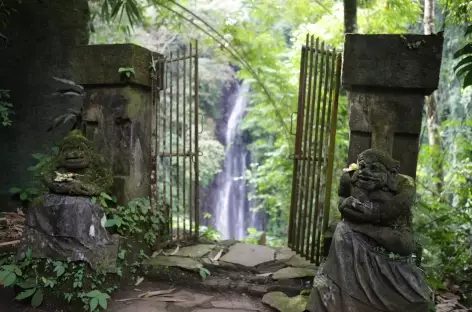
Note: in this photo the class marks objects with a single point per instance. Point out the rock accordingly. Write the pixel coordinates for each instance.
(283, 303)
(173, 261)
(299, 262)
(227, 242)
(257, 290)
(143, 306)
(234, 304)
(249, 255)
(191, 299)
(63, 227)
(218, 310)
(196, 251)
(284, 254)
(287, 273)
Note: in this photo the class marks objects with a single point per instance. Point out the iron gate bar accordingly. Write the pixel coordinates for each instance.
(318, 164)
(313, 163)
(178, 148)
(332, 139)
(305, 125)
(298, 144)
(176, 86)
(197, 182)
(186, 154)
(309, 139)
(191, 204)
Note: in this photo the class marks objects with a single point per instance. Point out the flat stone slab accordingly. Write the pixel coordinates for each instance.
(290, 272)
(143, 306)
(234, 304)
(173, 261)
(283, 303)
(218, 310)
(196, 251)
(297, 261)
(284, 254)
(191, 299)
(249, 255)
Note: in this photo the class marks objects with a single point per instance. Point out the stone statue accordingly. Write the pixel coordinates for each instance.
(65, 223)
(369, 265)
(78, 169)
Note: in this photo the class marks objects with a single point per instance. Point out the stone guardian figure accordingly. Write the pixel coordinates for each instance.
(369, 267)
(65, 223)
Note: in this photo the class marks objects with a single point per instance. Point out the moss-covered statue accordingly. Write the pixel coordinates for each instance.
(78, 169)
(369, 267)
(66, 223)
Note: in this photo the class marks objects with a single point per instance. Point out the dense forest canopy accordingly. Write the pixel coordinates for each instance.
(263, 39)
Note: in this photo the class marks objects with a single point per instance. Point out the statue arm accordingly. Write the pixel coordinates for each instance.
(344, 190)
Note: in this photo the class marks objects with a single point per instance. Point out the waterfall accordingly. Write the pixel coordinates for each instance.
(230, 198)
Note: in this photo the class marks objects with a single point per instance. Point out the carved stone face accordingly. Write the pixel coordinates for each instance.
(370, 175)
(75, 153)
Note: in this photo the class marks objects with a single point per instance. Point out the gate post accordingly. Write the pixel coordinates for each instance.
(387, 77)
(117, 112)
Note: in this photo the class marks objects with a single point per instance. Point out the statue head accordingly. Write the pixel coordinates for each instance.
(376, 170)
(75, 151)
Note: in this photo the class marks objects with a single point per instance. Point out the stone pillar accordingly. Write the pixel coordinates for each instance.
(117, 112)
(387, 77)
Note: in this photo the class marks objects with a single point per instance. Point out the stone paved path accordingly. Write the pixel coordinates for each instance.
(179, 300)
(184, 300)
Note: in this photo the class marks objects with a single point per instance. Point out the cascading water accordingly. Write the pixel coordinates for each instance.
(230, 199)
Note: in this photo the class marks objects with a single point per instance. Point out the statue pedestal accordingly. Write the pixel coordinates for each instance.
(68, 228)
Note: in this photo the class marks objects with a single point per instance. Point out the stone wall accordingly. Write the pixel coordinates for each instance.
(42, 37)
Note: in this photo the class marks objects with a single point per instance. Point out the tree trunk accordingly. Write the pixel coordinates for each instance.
(433, 124)
(350, 16)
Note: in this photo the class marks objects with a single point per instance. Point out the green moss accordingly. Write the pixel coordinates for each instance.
(91, 173)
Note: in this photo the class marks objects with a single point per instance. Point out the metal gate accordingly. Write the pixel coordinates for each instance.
(175, 154)
(320, 71)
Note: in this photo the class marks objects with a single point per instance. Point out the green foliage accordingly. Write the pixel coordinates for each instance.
(464, 66)
(5, 108)
(254, 236)
(136, 217)
(204, 273)
(443, 221)
(36, 188)
(127, 72)
(73, 282)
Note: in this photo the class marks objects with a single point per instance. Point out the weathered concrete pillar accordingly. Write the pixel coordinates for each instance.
(117, 112)
(387, 77)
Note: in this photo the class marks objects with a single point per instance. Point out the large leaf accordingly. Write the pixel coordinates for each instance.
(464, 61)
(9, 279)
(468, 80)
(25, 294)
(469, 30)
(37, 298)
(93, 304)
(467, 49)
(464, 70)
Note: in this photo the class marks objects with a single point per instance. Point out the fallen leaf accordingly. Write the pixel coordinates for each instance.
(175, 251)
(218, 255)
(139, 281)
